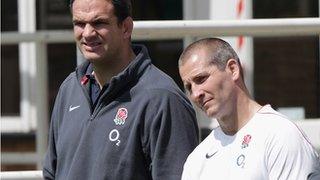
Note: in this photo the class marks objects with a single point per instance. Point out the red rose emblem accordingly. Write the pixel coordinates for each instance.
(246, 139)
(122, 114)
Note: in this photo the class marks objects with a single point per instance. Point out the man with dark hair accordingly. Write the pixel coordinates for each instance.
(117, 116)
(251, 141)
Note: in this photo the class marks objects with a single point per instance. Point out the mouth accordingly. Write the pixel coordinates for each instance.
(91, 46)
(205, 104)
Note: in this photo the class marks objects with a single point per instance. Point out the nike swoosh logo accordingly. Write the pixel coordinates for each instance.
(208, 156)
(73, 108)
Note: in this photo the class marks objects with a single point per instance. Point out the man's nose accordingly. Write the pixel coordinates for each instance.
(197, 95)
(88, 31)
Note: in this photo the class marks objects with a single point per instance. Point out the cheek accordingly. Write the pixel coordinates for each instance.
(107, 37)
(107, 33)
(193, 99)
(226, 90)
(214, 86)
(77, 33)
(219, 87)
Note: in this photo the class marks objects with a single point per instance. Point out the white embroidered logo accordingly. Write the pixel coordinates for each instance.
(73, 108)
(114, 136)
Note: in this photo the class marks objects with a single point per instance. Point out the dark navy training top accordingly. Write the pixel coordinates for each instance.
(142, 127)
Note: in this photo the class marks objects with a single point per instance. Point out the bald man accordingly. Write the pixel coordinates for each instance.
(251, 141)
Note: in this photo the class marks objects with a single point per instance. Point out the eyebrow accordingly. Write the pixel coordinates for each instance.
(187, 87)
(98, 18)
(199, 75)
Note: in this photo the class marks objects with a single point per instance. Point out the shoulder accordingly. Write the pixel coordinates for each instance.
(158, 87)
(284, 142)
(193, 166)
(66, 89)
(154, 78)
(69, 80)
(198, 154)
(274, 123)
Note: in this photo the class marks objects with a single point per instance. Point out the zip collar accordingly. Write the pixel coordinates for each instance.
(119, 83)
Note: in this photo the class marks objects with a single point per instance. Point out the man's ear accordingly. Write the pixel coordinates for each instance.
(233, 68)
(127, 26)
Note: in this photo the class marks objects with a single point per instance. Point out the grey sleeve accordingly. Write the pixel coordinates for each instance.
(49, 165)
(50, 161)
(173, 135)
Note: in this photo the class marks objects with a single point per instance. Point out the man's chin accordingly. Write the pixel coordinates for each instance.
(211, 114)
(92, 57)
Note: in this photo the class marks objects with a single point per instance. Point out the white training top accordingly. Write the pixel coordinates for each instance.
(269, 146)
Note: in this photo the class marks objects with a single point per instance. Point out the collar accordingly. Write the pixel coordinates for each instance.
(129, 75)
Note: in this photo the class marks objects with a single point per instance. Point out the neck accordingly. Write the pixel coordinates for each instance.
(107, 69)
(241, 113)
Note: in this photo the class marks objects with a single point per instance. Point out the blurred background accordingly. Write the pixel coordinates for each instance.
(283, 71)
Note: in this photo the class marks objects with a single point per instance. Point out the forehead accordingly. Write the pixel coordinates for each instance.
(92, 8)
(195, 64)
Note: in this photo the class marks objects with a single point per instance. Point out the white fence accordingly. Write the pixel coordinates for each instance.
(143, 30)
(21, 175)
(176, 29)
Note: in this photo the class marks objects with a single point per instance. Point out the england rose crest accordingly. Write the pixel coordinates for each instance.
(246, 141)
(121, 116)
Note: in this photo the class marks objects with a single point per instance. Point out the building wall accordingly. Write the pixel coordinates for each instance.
(287, 68)
(287, 73)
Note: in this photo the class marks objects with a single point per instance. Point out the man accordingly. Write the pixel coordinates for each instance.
(251, 141)
(117, 116)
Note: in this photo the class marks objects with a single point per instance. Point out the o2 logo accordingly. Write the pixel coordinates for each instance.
(114, 136)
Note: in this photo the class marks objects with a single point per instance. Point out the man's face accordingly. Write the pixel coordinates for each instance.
(96, 30)
(208, 87)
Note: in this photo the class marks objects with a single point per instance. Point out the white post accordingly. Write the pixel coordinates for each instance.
(188, 14)
(237, 10)
(33, 79)
(41, 102)
(27, 63)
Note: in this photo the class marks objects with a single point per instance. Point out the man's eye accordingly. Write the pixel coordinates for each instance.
(200, 79)
(99, 23)
(187, 88)
(79, 24)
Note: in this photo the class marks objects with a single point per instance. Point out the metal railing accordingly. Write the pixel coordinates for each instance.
(176, 29)
(21, 175)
